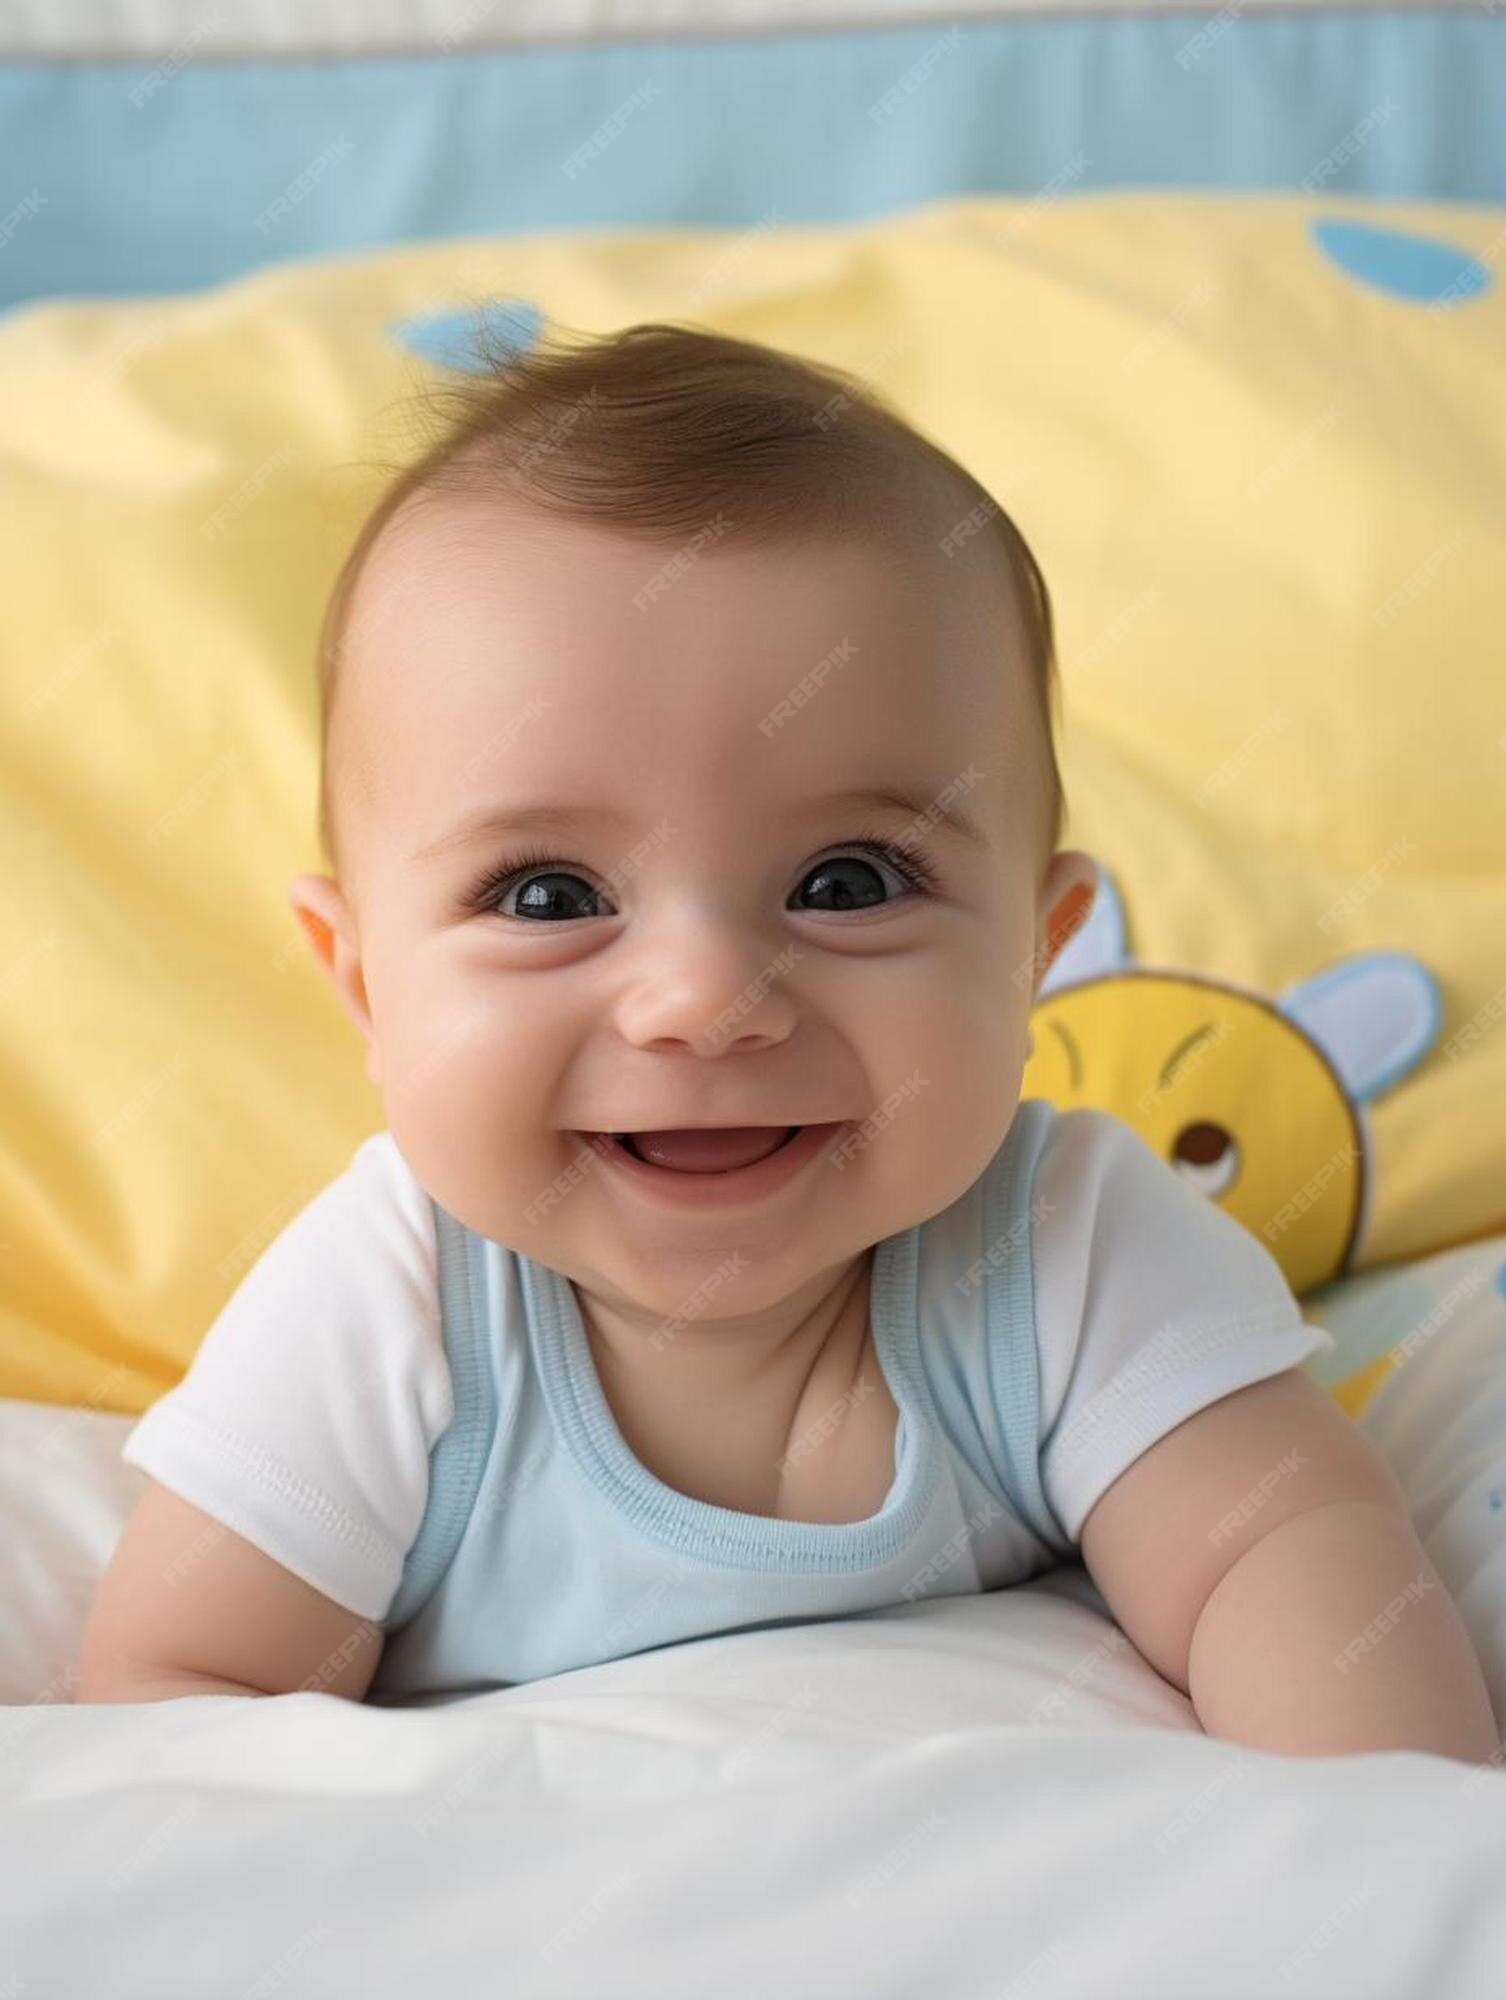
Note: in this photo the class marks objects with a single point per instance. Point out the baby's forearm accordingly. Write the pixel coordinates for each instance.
(1333, 1634)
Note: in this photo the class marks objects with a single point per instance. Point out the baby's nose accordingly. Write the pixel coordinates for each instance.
(710, 991)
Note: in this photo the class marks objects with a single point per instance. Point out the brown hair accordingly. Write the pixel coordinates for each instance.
(655, 429)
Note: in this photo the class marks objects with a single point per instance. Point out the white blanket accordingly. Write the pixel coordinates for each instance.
(991, 1797)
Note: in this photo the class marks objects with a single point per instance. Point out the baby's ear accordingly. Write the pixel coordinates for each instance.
(324, 917)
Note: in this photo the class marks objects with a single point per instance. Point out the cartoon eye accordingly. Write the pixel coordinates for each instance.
(1206, 1155)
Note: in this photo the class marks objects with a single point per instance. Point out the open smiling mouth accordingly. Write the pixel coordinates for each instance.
(706, 1149)
(723, 1162)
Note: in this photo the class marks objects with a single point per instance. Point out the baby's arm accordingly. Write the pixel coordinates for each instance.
(189, 1607)
(1261, 1557)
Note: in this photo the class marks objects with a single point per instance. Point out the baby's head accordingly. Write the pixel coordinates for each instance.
(688, 762)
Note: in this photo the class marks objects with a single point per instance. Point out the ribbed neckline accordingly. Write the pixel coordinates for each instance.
(724, 1535)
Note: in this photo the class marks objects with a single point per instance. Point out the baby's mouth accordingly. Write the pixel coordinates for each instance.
(706, 1149)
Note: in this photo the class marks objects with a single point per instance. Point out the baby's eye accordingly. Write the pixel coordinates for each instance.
(856, 881)
(548, 895)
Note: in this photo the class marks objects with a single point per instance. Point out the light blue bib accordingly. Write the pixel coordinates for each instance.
(546, 1545)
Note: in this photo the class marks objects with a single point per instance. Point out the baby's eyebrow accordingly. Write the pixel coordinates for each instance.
(912, 802)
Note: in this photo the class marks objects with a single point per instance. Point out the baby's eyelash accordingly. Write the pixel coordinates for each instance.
(905, 861)
(500, 874)
(912, 865)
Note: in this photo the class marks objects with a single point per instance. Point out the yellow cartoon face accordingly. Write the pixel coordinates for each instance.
(1226, 1088)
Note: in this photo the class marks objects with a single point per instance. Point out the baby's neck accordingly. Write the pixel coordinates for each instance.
(714, 1411)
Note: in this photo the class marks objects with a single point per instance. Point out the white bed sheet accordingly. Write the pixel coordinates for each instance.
(991, 1797)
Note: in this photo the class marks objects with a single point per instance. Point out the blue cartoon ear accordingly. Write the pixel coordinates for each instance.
(460, 337)
(1375, 1015)
(1096, 949)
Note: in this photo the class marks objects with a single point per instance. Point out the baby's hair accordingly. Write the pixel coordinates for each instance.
(659, 432)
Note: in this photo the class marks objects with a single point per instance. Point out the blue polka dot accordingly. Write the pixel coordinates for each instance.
(1406, 266)
(1501, 1279)
(453, 337)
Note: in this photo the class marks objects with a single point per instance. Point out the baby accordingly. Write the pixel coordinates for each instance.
(693, 811)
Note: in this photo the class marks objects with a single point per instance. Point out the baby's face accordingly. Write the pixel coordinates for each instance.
(703, 935)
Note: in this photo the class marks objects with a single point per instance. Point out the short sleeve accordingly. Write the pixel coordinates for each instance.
(306, 1418)
(1151, 1302)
